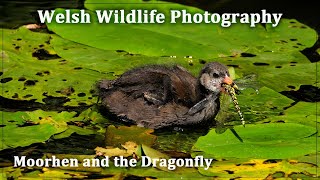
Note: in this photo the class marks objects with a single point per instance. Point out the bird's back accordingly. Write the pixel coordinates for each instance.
(153, 96)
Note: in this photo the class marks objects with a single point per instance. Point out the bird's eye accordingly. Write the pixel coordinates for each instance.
(215, 75)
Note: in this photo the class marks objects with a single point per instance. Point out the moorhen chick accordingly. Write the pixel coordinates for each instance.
(158, 96)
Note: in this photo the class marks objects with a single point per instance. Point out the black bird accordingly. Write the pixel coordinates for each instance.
(158, 96)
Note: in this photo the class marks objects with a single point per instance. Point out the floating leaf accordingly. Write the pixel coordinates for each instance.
(264, 102)
(14, 137)
(112, 63)
(259, 169)
(199, 40)
(155, 155)
(274, 70)
(274, 141)
(74, 129)
(26, 128)
(303, 113)
(10, 172)
(256, 105)
(32, 70)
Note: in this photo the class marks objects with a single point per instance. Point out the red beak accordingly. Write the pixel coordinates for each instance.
(227, 80)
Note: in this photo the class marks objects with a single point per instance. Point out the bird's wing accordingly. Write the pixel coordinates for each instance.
(184, 86)
(160, 83)
(138, 82)
(127, 108)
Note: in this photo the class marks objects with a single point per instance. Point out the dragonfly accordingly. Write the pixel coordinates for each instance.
(231, 92)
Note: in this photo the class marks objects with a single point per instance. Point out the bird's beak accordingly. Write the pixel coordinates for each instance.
(227, 80)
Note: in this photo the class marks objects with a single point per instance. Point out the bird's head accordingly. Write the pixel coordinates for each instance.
(213, 75)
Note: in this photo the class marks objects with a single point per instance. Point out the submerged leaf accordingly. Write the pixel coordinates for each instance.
(115, 136)
(129, 149)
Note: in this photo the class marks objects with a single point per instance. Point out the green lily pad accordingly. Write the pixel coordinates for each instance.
(33, 71)
(274, 141)
(74, 129)
(259, 169)
(303, 113)
(275, 59)
(198, 40)
(25, 128)
(24, 136)
(10, 172)
(152, 153)
(111, 63)
(260, 104)
(275, 70)
(92, 116)
(281, 80)
(256, 105)
(19, 127)
(87, 122)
